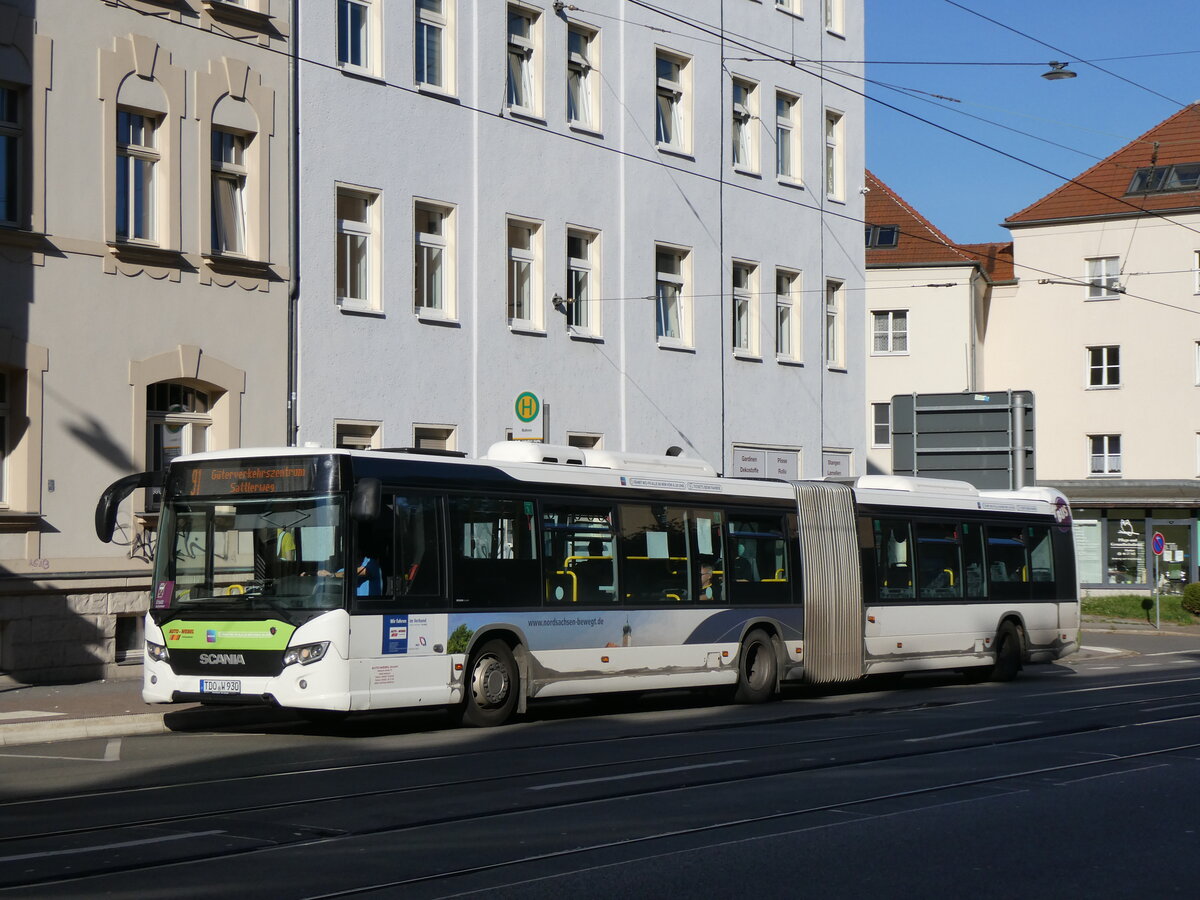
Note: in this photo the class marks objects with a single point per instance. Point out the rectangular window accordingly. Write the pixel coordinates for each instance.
(435, 437)
(137, 157)
(579, 549)
(787, 315)
(228, 192)
(881, 424)
(585, 441)
(1104, 366)
(356, 435)
(835, 16)
(893, 559)
(834, 340)
(494, 556)
(583, 314)
(524, 274)
(1008, 563)
(890, 331)
(11, 134)
(745, 306)
(1102, 278)
(354, 34)
(670, 283)
(418, 545)
(522, 58)
(939, 562)
(882, 237)
(582, 95)
(787, 137)
(433, 261)
(835, 163)
(669, 123)
(744, 149)
(758, 569)
(1105, 454)
(432, 42)
(356, 248)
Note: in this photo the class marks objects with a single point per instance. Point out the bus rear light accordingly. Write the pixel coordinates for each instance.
(458, 667)
(604, 659)
(871, 619)
(899, 644)
(725, 654)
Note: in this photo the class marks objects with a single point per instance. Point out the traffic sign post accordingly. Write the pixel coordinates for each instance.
(1157, 543)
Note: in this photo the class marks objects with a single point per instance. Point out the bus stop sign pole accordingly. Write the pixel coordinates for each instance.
(1157, 543)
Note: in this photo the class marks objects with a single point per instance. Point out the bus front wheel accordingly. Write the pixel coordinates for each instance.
(758, 669)
(493, 685)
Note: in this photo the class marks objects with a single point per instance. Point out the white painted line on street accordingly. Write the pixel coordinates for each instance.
(558, 784)
(29, 714)
(1111, 774)
(1170, 652)
(1171, 706)
(112, 752)
(117, 846)
(1103, 649)
(1103, 668)
(938, 737)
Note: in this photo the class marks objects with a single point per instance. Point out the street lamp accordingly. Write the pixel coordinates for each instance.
(1058, 71)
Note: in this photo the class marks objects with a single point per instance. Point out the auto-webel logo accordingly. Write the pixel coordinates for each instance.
(222, 659)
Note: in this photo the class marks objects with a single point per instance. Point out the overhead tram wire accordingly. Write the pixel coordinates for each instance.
(796, 63)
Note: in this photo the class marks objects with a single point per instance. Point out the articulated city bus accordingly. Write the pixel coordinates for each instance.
(341, 580)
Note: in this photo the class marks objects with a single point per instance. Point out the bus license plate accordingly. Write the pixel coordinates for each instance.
(220, 686)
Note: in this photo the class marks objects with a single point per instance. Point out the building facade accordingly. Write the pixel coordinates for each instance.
(644, 215)
(144, 262)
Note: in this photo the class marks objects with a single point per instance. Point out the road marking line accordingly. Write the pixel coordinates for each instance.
(29, 714)
(546, 787)
(117, 846)
(1170, 706)
(1110, 774)
(112, 753)
(938, 737)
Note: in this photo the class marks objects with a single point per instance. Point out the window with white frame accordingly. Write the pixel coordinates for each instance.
(583, 314)
(881, 424)
(356, 435)
(11, 156)
(1104, 367)
(435, 437)
(788, 5)
(434, 38)
(357, 248)
(585, 441)
(137, 157)
(787, 137)
(745, 308)
(1198, 363)
(177, 422)
(355, 34)
(433, 260)
(835, 341)
(670, 312)
(5, 416)
(1103, 277)
(671, 104)
(787, 315)
(582, 94)
(228, 191)
(835, 163)
(890, 330)
(524, 273)
(835, 13)
(1196, 271)
(743, 131)
(523, 56)
(1105, 454)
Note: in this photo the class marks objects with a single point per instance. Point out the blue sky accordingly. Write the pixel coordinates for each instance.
(965, 189)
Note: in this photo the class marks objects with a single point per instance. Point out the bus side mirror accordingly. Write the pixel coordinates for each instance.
(367, 499)
(106, 508)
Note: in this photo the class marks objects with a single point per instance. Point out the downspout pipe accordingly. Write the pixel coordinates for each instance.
(293, 314)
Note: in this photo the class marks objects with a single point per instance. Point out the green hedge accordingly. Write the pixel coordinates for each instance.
(1191, 599)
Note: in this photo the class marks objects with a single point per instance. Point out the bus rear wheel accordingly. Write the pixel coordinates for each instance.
(1009, 650)
(758, 669)
(493, 684)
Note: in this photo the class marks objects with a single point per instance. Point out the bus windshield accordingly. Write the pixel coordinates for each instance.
(252, 554)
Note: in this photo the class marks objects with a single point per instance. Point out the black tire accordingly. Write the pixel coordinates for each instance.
(1010, 648)
(758, 669)
(492, 686)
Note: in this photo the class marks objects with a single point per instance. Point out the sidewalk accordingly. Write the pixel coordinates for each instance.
(33, 714)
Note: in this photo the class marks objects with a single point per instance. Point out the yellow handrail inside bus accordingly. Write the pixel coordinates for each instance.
(574, 584)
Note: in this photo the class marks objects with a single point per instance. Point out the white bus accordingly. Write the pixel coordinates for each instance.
(341, 580)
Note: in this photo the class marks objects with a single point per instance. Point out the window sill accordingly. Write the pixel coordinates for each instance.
(12, 520)
(525, 115)
(1105, 475)
(890, 353)
(749, 173)
(668, 150)
(747, 356)
(148, 254)
(228, 264)
(15, 236)
(838, 368)
(587, 337)
(362, 74)
(832, 32)
(353, 309)
(791, 13)
(788, 182)
(236, 14)
(525, 327)
(433, 318)
(586, 130)
(789, 361)
(1102, 299)
(438, 93)
(841, 201)
(665, 343)
(1103, 387)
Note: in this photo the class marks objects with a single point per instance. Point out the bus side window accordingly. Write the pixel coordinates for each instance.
(1041, 562)
(577, 544)
(1008, 563)
(655, 563)
(373, 556)
(418, 549)
(974, 565)
(757, 568)
(894, 559)
(938, 561)
(493, 551)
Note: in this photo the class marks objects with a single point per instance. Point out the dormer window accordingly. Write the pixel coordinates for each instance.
(882, 236)
(1165, 179)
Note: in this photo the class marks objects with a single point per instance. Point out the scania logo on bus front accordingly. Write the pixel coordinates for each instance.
(222, 659)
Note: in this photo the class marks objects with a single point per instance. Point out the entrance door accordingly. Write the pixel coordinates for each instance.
(1177, 565)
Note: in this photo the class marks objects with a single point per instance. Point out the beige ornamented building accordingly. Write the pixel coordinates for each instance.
(144, 224)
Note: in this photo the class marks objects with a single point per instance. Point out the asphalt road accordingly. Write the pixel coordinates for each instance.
(1077, 778)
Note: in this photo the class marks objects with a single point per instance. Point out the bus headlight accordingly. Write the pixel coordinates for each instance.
(157, 652)
(305, 653)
